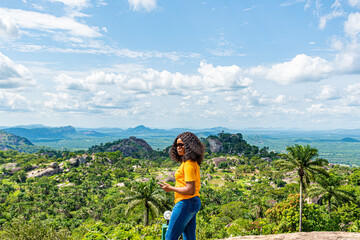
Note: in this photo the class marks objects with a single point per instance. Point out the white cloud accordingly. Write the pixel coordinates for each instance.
(301, 68)
(66, 82)
(291, 2)
(324, 19)
(354, 3)
(13, 102)
(328, 92)
(73, 3)
(352, 96)
(280, 99)
(138, 5)
(13, 75)
(8, 28)
(204, 100)
(47, 22)
(352, 24)
(151, 81)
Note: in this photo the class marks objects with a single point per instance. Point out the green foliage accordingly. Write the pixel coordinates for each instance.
(88, 202)
(19, 229)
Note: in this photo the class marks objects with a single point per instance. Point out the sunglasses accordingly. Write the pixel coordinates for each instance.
(180, 145)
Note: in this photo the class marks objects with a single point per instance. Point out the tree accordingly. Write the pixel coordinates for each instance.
(300, 159)
(148, 195)
(328, 188)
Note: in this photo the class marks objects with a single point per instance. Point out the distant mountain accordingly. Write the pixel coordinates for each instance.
(36, 134)
(349, 140)
(91, 133)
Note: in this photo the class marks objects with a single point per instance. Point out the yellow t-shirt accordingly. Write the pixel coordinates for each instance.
(188, 171)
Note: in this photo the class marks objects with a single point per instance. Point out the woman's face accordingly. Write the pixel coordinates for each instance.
(180, 147)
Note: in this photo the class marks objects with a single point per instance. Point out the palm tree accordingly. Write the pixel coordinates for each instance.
(328, 189)
(300, 159)
(148, 195)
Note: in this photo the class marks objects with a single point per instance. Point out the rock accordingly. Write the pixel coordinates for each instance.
(142, 179)
(314, 200)
(120, 184)
(209, 177)
(45, 172)
(303, 236)
(82, 159)
(159, 177)
(53, 165)
(169, 179)
(65, 185)
(74, 162)
(9, 166)
(15, 169)
(218, 160)
(267, 159)
(215, 145)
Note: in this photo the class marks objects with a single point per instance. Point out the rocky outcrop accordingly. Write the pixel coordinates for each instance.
(129, 147)
(218, 160)
(169, 179)
(215, 145)
(76, 161)
(303, 236)
(44, 172)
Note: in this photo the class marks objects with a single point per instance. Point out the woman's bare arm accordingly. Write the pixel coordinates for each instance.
(189, 189)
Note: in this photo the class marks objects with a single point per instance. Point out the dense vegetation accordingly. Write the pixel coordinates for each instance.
(103, 195)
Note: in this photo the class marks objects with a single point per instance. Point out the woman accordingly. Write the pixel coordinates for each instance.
(188, 150)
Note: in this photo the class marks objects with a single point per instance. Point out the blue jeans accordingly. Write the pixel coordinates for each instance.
(183, 219)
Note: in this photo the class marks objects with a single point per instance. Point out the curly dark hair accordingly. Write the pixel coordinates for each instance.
(194, 149)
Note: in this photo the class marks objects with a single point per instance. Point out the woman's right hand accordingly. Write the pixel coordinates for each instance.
(165, 186)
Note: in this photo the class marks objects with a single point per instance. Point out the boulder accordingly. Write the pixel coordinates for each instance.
(215, 145)
(53, 165)
(169, 179)
(218, 160)
(44, 172)
(15, 169)
(74, 162)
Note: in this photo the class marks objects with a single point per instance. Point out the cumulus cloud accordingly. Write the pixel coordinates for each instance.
(66, 82)
(204, 100)
(328, 92)
(354, 3)
(150, 81)
(352, 24)
(352, 96)
(8, 28)
(13, 75)
(138, 5)
(13, 102)
(47, 22)
(301, 68)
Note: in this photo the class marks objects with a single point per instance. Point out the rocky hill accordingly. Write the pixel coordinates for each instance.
(303, 236)
(11, 141)
(131, 146)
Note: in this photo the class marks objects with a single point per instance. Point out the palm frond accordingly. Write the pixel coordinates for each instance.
(132, 205)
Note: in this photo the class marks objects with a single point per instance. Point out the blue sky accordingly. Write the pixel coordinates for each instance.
(171, 63)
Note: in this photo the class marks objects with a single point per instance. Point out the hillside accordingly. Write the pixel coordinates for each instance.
(129, 147)
(11, 141)
(83, 195)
